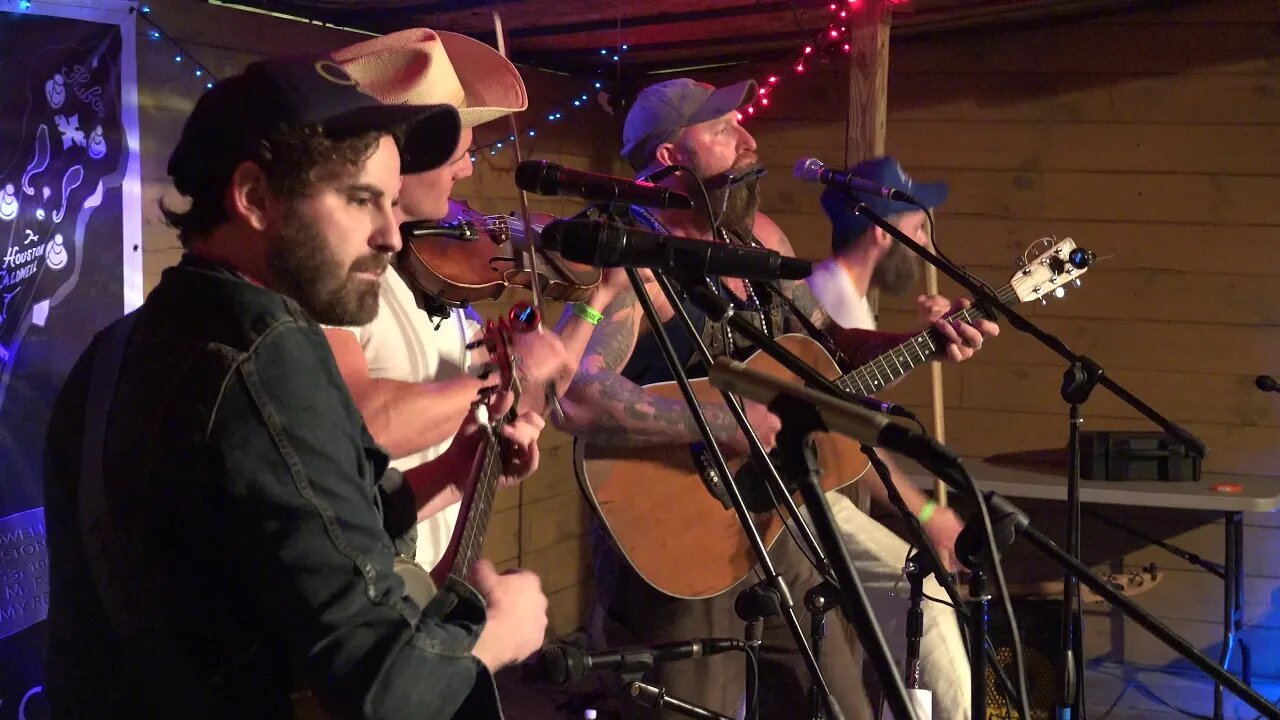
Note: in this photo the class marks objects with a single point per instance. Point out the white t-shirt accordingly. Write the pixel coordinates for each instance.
(837, 294)
(402, 343)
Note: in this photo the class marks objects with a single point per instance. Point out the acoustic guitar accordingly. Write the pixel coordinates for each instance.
(665, 508)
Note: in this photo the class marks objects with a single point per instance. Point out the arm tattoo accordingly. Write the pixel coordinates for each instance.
(615, 337)
(803, 298)
(859, 346)
(621, 412)
(628, 416)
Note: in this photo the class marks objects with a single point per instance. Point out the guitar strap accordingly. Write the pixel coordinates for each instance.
(819, 335)
(126, 598)
(718, 337)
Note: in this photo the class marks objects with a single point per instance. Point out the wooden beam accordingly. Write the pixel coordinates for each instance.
(669, 18)
(791, 39)
(868, 81)
(865, 120)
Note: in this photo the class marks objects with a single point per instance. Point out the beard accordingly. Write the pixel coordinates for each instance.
(306, 269)
(740, 206)
(739, 201)
(898, 271)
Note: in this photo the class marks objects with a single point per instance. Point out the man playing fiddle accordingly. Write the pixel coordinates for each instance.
(412, 376)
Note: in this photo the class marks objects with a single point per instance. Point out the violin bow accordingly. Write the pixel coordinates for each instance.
(532, 238)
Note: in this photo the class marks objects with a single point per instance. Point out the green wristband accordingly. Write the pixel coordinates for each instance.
(927, 511)
(588, 313)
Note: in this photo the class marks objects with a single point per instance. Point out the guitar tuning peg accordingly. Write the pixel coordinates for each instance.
(1043, 301)
(1059, 292)
(1076, 282)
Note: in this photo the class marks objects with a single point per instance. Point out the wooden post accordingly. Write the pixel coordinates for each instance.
(868, 80)
(865, 126)
(865, 119)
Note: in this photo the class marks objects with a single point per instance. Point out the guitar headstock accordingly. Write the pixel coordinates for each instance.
(1063, 262)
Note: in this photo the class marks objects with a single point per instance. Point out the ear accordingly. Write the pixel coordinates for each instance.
(248, 195)
(881, 238)
(668, 154)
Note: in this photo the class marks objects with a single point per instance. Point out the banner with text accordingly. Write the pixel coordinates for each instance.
(70, 263)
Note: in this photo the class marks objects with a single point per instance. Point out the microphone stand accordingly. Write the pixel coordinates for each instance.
(657, 698)
(925, 561)
(1013, 523)
(773, 581)
(1080, 378)
(799, 421)
(1018, 526)
(777, 488)
(719, 310)
(854, 604)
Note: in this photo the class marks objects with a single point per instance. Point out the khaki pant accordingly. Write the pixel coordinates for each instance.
(878, 555)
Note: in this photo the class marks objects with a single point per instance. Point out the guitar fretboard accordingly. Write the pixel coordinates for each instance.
(920, 349)
(476, 521)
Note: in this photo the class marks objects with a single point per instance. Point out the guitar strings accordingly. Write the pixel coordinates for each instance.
(863, 375)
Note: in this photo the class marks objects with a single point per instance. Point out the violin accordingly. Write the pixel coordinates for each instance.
(469, 256)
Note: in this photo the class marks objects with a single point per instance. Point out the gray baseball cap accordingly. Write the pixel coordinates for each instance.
(662, 110)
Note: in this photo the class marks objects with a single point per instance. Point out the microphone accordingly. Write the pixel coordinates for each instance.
(548, 178)
(815, 171)
(1266, 383)
(837, 415)
(605, 244)
(565, 665)
(734, 176)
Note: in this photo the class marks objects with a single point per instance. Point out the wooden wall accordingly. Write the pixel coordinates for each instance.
(1152, 138)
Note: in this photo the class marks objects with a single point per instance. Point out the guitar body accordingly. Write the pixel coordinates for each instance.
(658, 510)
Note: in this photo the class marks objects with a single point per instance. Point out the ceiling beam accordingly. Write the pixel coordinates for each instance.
(635, 49)
(664, 18)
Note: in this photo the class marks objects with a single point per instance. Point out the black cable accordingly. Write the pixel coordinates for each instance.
(937, 249)
(1020, 665)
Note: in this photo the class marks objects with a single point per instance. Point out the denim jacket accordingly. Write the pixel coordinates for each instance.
(258, 525)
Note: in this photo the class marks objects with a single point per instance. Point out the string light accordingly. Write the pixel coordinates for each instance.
(577, 102)
(835, 35)
(157, 33)
(202, 72)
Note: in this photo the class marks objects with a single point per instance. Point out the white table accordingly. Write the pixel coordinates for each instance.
(1257, 494)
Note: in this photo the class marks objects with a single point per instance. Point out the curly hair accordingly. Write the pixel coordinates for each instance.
(294, 158)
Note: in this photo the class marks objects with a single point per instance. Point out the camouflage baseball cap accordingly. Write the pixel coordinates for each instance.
(662, 110)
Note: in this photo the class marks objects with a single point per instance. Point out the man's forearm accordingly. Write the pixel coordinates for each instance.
(441, 482)
(912, 496)
(407, 417)
(622, 413)
(575, 332)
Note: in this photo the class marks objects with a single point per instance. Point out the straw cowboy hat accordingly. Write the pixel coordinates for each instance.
(422, 67)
